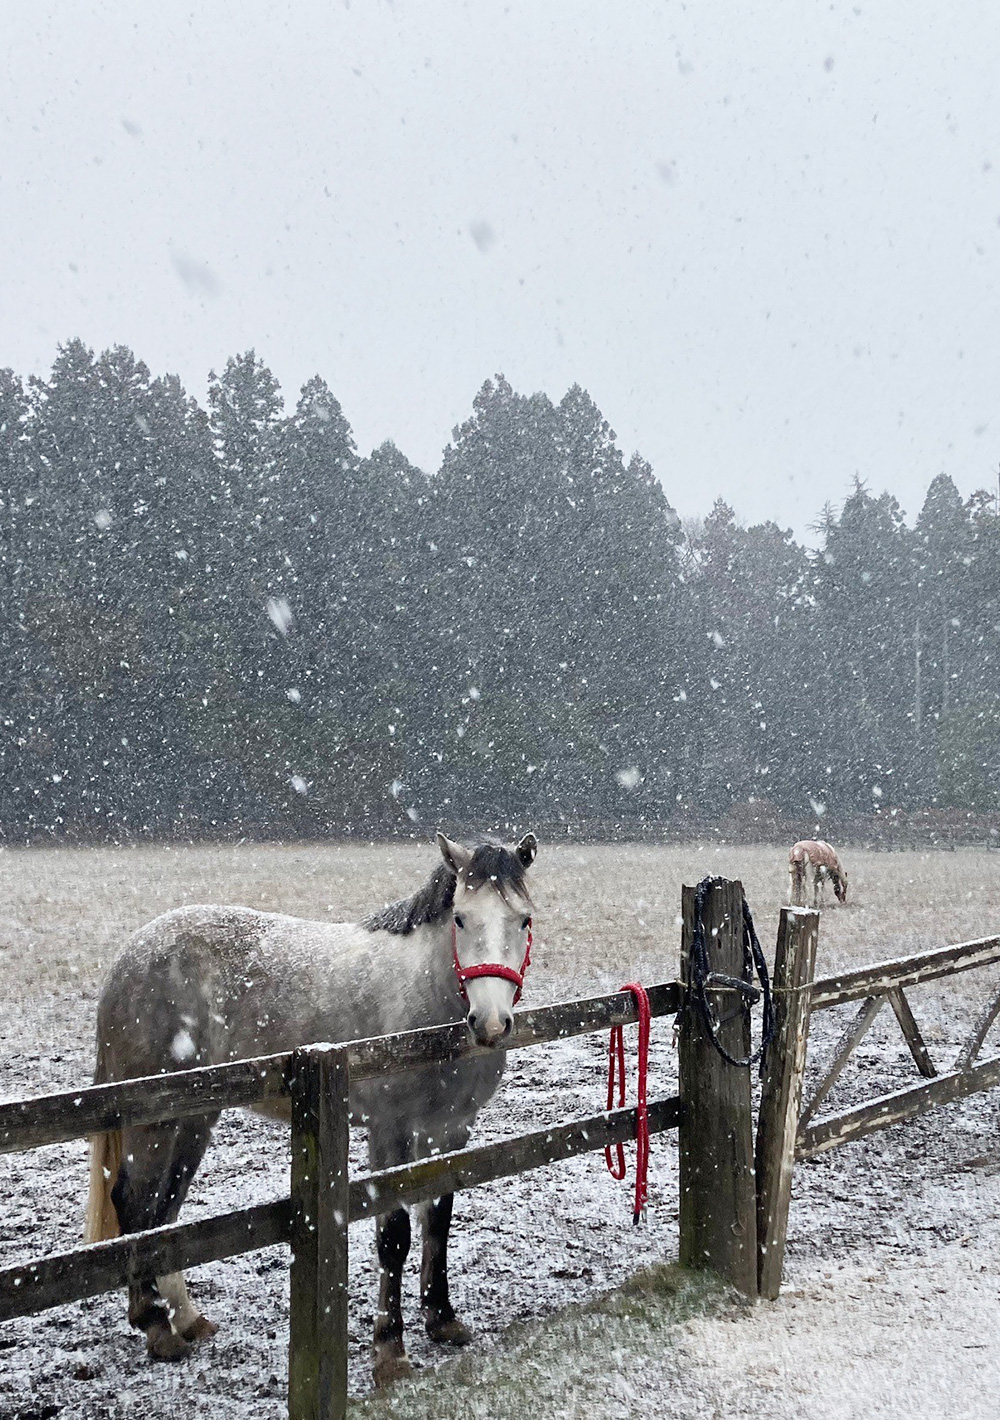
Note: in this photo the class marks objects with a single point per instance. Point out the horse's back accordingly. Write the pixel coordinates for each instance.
(812, 850)
(204, 984)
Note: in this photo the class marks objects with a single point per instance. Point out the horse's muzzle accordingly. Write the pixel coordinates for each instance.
(490, 1028)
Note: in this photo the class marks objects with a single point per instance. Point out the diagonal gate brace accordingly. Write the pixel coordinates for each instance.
(867, 1012)
(972, 1047)
(852, 1036)
(911, 1031)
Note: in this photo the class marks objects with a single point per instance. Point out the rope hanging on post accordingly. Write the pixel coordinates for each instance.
(616, 1075)
(702, 980)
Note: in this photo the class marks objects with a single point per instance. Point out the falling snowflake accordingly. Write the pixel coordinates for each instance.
(182, 1047)
(280, 613)
(482, 234)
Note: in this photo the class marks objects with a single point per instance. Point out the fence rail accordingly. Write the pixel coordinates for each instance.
(906, 971)
(71, 1114)
(101, 1267)
(467, 1168)
(894, 1108)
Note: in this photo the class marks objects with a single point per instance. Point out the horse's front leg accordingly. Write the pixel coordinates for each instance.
(389, 1361)
(439, 1316)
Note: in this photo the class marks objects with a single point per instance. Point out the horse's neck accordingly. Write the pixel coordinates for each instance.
(436, 945)
(429, 959)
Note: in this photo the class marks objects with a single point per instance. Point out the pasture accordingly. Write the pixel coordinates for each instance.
(863, 1220)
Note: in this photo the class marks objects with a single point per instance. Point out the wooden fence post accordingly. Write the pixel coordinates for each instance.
(317, 1351)
(718, 1215)
(781, 1099)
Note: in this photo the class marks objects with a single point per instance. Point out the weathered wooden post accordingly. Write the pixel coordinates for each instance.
(317, 1353)
(781, 1099)
(718, 1205)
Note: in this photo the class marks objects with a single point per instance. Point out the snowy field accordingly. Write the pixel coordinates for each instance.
(892, 1299)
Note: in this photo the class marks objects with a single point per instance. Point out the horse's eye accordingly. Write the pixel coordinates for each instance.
(458, 921)
(525, 924)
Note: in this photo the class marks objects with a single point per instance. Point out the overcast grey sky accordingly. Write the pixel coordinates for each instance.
(764, 236)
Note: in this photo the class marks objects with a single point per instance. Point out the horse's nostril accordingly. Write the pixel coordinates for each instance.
(473, 1020)
(508, 1025)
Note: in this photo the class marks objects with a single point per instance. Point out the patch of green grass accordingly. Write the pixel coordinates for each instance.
(564, 1368)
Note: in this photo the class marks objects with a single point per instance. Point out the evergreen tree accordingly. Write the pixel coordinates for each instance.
(755, 699)
(558, 552)
(866, 596)
(227, 620)
(24, 757)
(621, 587)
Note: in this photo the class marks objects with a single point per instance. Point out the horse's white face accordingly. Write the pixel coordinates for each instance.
(491, 928)
(488, 929)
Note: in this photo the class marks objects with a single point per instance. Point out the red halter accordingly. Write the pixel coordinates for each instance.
(489, 968)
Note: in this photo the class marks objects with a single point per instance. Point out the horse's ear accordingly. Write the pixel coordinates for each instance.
(456, 855)
(526, 849)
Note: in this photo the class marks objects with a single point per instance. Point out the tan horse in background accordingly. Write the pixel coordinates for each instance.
(812, 862)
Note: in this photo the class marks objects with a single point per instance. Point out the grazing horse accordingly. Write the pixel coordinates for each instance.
(815, 859)
(206, 985)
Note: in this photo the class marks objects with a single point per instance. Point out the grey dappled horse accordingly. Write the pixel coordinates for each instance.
(206, 985)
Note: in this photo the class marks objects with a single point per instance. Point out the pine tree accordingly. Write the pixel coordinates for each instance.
(866, 598)
(24, 761)
(754, 700)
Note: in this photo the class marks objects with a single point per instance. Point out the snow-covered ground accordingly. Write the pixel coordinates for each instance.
(893, 1283)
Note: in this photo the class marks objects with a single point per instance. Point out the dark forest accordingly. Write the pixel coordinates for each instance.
(227, 621)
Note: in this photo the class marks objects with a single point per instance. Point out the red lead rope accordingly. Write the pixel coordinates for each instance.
(616, 1066)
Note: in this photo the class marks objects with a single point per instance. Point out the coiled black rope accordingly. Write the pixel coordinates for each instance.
(701, 980)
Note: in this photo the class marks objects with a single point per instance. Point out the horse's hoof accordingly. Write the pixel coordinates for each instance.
(200, 1329)
(390, 1365)
(162, 1344)
(448, 1333)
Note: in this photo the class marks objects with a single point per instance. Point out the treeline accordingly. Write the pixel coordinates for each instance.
(226, 620)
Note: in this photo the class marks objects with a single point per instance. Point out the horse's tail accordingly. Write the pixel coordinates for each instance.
(105, 1162)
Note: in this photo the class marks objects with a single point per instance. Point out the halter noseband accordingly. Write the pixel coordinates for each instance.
(490, 968)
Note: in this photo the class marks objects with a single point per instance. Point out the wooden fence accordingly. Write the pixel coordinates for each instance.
(786, 1132)
(323, 1200)
(732, 1219)
(712, 1112)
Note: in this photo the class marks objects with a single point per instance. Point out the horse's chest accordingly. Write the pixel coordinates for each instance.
(450, 1092)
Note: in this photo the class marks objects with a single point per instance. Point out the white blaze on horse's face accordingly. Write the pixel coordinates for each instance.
(488, 929)
(492, 922)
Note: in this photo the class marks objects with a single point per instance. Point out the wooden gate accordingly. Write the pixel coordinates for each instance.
(787, 1132)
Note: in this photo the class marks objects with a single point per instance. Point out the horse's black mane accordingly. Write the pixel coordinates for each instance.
(490, 863)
